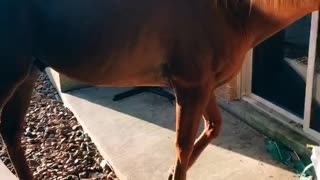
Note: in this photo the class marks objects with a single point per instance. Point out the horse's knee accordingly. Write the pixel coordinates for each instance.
(8, 138)
(10, 133)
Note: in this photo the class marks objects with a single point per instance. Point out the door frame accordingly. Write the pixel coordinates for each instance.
(310, 74)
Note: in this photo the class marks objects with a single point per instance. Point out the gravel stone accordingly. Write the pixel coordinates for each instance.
(55, 144)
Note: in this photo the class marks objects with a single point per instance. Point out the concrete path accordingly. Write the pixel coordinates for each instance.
(5, 173)
(136, 135)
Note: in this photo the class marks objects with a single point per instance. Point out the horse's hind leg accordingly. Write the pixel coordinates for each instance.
(213, 124)
(14, 98)
(191, 104)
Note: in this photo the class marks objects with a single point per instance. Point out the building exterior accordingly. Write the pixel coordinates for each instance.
(282, 76)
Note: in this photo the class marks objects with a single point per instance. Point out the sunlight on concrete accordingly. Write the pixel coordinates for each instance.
(137, 136)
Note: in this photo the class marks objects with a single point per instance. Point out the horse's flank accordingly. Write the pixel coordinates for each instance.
(148, 37)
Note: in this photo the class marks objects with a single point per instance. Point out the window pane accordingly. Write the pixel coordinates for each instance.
(280, 67)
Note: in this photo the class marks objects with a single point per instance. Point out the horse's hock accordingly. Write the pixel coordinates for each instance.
(63, 83)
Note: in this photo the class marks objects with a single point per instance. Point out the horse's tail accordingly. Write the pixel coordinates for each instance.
(40, 64)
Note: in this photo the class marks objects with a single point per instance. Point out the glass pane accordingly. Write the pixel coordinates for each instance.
(280, 67)
(315, 107)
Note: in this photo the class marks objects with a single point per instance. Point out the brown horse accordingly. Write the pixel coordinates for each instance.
(192, 46)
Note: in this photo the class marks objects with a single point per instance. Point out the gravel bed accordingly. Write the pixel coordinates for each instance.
(56, 145)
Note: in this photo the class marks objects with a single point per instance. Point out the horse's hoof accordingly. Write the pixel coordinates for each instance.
(171, 171)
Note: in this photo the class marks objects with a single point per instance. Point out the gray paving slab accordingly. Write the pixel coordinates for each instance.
(136, 135)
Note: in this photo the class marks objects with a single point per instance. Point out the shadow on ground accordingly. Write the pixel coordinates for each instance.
(236, 136)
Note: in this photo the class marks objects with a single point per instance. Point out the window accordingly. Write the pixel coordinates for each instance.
(283, 73)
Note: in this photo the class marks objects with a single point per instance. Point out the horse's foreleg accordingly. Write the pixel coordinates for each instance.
(191, 104)
(213, 123)
(12, 121)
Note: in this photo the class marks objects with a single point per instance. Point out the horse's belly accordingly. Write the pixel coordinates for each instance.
(134, 68)
(123, 77)
(133, 76)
